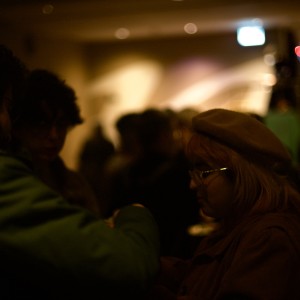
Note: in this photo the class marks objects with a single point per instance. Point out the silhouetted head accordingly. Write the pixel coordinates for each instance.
(12, 75)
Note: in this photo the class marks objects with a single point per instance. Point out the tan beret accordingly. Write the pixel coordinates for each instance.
(243, 133)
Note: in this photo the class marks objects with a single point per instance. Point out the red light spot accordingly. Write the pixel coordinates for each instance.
(297, 51)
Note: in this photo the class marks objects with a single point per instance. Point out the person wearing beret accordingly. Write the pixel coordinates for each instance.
(241, 175)
(53, 250)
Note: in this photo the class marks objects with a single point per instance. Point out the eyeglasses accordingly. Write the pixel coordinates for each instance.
(198, 175)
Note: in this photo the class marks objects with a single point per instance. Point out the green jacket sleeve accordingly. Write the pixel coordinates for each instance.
(41, 230)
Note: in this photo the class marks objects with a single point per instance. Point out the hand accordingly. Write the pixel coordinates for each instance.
(110, 222)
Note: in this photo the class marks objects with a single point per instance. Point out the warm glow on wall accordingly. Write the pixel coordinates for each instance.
(126, 88)
(233, 88)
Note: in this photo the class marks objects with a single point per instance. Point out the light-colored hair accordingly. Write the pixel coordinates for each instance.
(257, 188)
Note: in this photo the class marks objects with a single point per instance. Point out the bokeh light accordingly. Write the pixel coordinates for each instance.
(297, 51)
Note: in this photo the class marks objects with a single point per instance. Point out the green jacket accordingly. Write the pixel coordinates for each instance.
(50, 249)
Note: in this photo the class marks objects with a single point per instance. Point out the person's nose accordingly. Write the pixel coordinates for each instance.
(53, 133)
(193, 184)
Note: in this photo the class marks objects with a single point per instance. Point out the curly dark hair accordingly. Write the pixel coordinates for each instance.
(43, 86)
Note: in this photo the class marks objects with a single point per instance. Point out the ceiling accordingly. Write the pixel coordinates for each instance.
(95, 21)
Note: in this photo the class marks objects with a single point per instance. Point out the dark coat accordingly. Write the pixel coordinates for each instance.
(260, 259)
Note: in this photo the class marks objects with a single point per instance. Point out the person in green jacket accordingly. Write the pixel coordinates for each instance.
(50, 249)
(47, 113)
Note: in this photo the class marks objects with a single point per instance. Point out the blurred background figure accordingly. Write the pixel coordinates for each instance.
(183, 125)
(47, 112)
(93, 157)
(157, 175)
(283, 119)
(126, 151)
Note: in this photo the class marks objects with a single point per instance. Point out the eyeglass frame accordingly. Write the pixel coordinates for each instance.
(197, 175)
